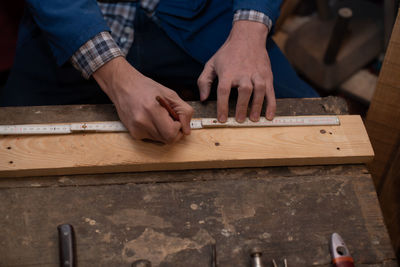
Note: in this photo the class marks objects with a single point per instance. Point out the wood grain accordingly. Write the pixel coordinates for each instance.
(290, 214)
(208, 148)
(384, 128)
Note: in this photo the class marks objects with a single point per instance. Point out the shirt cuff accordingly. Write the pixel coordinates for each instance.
(253, 15)
(95, 53)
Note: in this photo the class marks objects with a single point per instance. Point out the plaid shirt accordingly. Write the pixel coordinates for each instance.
(120, 17)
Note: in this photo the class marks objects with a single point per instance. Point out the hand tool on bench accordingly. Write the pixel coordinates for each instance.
(255, 256)
(213, 255)
(340, 253)
(276, 265)
(66, 240)
(117, 126)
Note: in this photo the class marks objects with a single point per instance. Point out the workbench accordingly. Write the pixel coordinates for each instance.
(172, 217)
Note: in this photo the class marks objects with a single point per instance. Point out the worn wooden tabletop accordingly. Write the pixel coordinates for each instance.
(171, 218)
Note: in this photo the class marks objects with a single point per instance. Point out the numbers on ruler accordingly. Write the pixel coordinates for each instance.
(116, 126)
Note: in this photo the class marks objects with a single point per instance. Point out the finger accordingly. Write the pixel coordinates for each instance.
(139, 127)
(183, 109)
(167, 128)
(244, 93)
(205, 81)
(140, 131)
(271, 102)
(178, 137)
(223, 91)
(137, 135)
(185, 122)
(258, 98)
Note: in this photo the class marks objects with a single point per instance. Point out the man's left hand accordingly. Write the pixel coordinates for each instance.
(243, 63)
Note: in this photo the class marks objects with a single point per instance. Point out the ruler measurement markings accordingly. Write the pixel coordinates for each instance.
(117, 126)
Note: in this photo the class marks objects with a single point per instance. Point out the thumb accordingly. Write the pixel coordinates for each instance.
(205, 80)
(183, 110)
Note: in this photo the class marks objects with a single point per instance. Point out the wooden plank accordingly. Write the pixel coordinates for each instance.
(289, 214)
(383, 126)
(390, 198)
(208, 148)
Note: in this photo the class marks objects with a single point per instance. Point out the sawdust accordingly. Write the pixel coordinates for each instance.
(194, 206)
(332, 109)
(90, 221)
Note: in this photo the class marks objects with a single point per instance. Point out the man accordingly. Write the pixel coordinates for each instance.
(128, 47)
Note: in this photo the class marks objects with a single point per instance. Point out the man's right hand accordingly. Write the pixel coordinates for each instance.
(134, 96)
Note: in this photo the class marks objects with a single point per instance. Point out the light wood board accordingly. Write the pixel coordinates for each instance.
(208, 148)
(384, 128)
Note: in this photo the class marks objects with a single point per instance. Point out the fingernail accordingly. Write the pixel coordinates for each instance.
(255, 116)
(222, 118)
(241, 118)
(270, 116)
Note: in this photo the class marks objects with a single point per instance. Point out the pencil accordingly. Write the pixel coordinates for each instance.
(165, 105)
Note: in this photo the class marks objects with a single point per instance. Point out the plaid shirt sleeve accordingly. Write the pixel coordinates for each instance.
(95, 53)
(253, 15)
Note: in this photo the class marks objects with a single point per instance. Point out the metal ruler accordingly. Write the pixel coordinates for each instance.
(117, 126)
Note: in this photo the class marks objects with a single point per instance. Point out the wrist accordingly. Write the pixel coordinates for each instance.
(246, 30)
(112, 74)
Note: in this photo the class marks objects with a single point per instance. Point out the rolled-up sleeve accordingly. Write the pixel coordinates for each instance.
(95, 53)
(268, 7)
(253, 15)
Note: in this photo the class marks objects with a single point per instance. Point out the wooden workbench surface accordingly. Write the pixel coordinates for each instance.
(171, 218)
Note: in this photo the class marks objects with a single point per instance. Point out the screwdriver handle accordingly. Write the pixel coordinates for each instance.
(66, 243)
(343, 262)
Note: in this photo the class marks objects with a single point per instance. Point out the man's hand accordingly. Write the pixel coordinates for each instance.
(134, 96)
(241, 62)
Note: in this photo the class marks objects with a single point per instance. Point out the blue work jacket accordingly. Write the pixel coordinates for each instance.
(198, 26)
